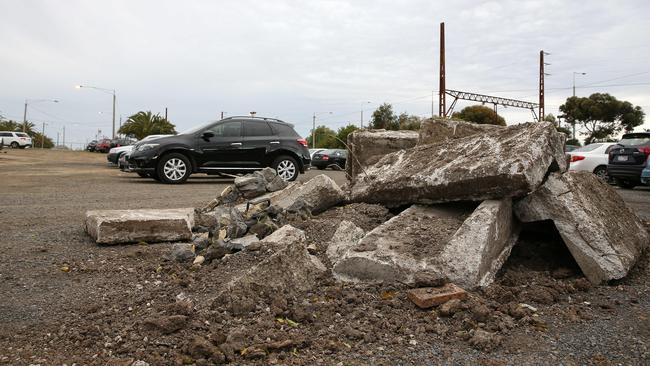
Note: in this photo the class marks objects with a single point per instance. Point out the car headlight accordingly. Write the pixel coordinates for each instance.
(145, 147)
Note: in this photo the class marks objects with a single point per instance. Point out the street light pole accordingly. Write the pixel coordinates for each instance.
(109, 91)
(574, 94)
(43, 137)
(363, 105)
(27, 101)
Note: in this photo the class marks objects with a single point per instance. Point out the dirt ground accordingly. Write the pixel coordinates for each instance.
(65, 300)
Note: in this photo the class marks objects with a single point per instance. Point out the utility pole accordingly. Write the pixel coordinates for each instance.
(433, 97)
(25, 117)
(57, 139)
(113, 114)
(165, 113)
(63, 136)
(361, 117)
(43, 137)
(221, 114)
(442, 110)
(541, 85)
(313, 129)
(573, 123)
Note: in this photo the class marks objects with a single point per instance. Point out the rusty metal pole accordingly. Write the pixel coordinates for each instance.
(442, 111)
(541, 85)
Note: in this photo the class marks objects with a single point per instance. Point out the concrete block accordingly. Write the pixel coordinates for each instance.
(132, 226)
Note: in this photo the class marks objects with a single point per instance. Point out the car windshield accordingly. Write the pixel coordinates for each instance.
(590, 147)
(197, 128)
(635, 140)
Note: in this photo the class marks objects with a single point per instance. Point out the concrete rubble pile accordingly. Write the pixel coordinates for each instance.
(460, 192)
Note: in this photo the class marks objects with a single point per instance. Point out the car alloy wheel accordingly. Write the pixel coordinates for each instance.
(286, 169)
(14, 145)
(174, 169)
(601, 173)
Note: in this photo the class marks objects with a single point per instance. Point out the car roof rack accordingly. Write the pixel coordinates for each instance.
(260, 118)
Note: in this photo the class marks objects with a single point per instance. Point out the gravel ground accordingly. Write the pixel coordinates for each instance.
(65, 300)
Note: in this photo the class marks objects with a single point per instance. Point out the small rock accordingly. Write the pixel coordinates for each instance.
(426, 279)
(450, 307)
(215, 251)
(139, 363)
(427, 297)
(484, 340)
(199, 259)
(200, 347)
(201, 242)
(276, 184)
(312, 249)
(166, 324)
(182, 252)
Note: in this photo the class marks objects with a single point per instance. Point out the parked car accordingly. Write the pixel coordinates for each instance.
(332, 158)
(592, 158)
(314, 151)
(15, 139)
(91, 145)
(118, 155)
(232, 145)
(628, 158)
(569, 148)
(645, 173)
(122, 142)
(103, 146)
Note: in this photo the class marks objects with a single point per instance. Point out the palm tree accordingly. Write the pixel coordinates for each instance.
(143, 124)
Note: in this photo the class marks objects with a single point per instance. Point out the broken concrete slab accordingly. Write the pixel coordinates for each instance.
(241, 243)
(466, 245)
(436, 130)
(604, 236)
(482, 244)
(287, 270)
(251, 185)
(366, 147)
(346, 236)
(133, 226)
(427, 297)
(505, 162)
(319, 193)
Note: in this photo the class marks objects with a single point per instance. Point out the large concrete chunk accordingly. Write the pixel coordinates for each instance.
(454, 241)
(346, 236)
(366, 147)
(479, 248)
(502, 163)
(132, 226)
(435, 130)
(603, 235)
(288, 270)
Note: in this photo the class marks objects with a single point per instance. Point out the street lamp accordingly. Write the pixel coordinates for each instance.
(363, 105)
(574, 80)
(313, 130)
(32, 101)
(109, 91)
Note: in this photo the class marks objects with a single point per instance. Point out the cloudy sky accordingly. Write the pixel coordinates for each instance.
(288, 59)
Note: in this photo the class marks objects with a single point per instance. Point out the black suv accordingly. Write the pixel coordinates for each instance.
(232, 145)
(628, 158)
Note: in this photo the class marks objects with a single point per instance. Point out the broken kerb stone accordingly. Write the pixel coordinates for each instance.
(133, 226)
(436, 130)
(289, 269)
(604, 236)
(466, 245)
(505, 162)
(346, 236)
(366, 147)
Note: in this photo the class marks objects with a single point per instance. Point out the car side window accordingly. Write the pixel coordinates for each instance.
(6, 134)
(257, 128)
(227, 129)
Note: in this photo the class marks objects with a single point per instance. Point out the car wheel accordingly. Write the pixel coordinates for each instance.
(174, 168)
(601, 173)
(625, 184)
(286, 167)
(143, 174)
(14, 145)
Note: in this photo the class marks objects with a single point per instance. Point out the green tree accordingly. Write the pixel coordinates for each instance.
(602, 115)
(342, 135)
(407, 122)
(325, 138)
(143, 124)
(479, 114)
(384, 118)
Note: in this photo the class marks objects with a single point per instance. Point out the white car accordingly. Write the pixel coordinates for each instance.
(592, 158)
(15, 139)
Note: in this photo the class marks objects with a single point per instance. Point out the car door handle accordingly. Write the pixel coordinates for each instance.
(274, 142)
(235, 144)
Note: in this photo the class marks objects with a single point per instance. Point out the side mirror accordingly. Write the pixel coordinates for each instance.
(207, 135)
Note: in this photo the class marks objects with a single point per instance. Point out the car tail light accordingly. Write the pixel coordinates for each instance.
(325, 157)
(644, 149)
(576, 158)
(302, 142)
